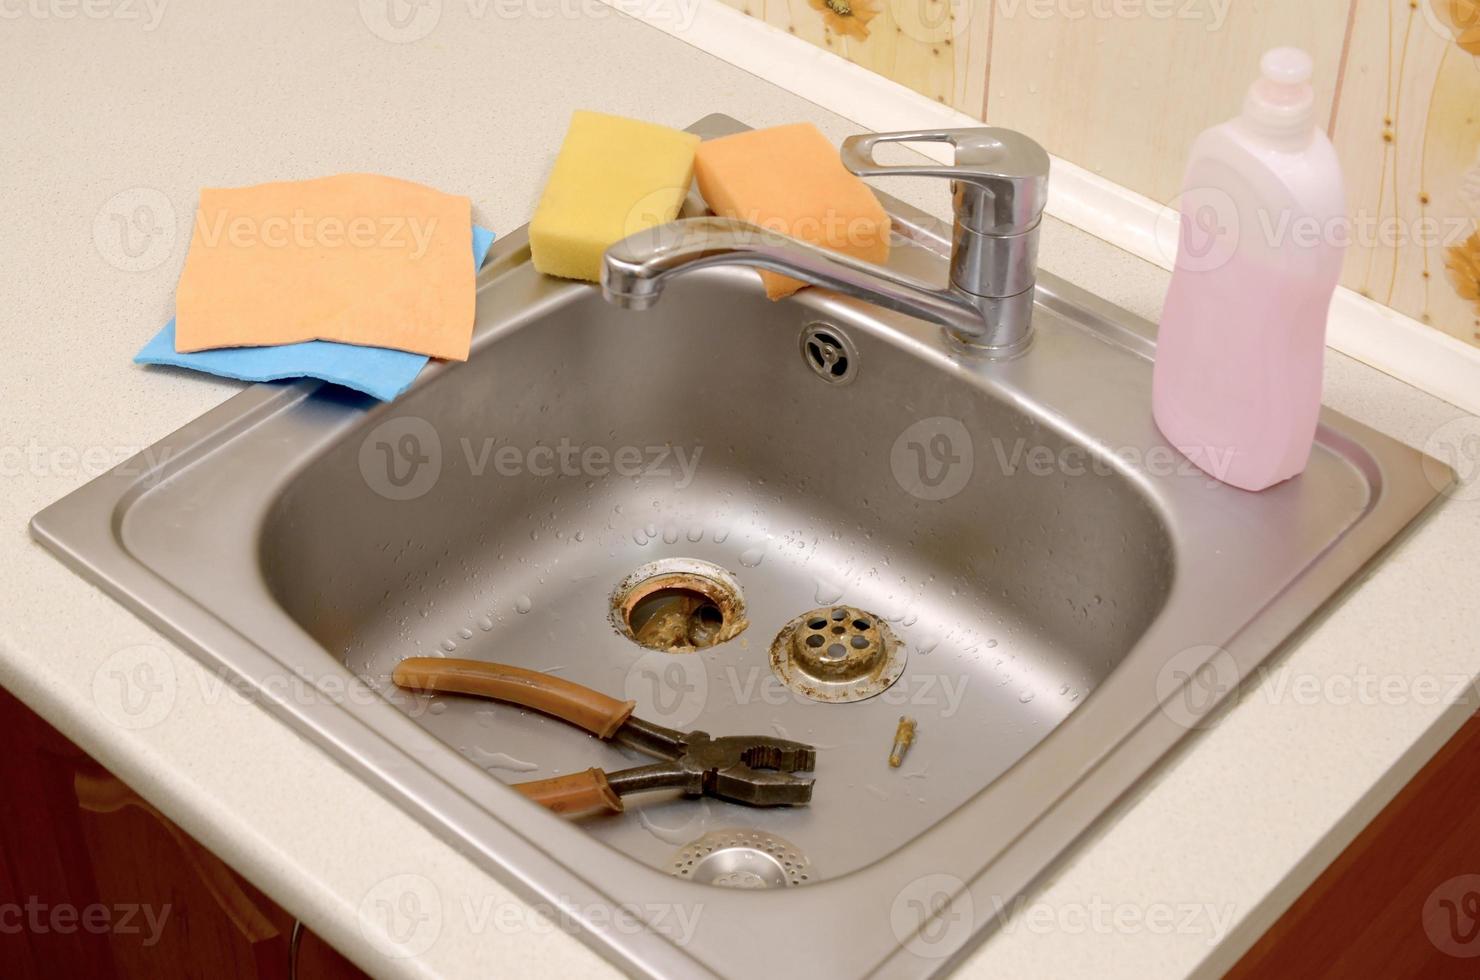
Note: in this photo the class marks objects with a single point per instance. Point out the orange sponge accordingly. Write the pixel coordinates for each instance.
(789, 179)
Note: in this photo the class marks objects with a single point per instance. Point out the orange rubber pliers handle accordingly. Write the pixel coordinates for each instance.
(581, 706)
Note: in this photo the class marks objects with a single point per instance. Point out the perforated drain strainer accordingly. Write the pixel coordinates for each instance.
(741, 858)
(837, 653)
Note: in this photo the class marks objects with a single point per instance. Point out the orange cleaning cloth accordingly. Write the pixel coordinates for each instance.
(355, 258)
(789, 179)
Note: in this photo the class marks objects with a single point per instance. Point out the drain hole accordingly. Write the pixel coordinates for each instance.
(839, 615)
(815, 640)
(860, 624)
(665, 604)
(836, 651)
(840, 367)
(859, 642)
(679, 606)
(816, 624)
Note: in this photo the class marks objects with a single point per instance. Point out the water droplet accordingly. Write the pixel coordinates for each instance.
(751, 557)
(523, 604)
(485, 624)
(828, 593)
(449, 645)
(1025, 697)
(437, 707)
(501, 760)
(928, 643)
(991, 644)
(670, 534)
(720, 534)
(639, 537)
(695, 533)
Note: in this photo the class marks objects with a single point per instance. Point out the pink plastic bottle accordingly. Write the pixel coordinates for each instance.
(1237, 384)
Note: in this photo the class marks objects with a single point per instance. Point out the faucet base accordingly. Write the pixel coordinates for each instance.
(1011, 326)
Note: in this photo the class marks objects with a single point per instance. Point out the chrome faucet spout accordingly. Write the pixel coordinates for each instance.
(999, 184)
(637, 268)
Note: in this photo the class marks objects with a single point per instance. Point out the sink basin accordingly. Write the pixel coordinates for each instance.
(1071, 598)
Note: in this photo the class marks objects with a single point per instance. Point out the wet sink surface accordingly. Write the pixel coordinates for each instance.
(1072, 597)
(1015, 595)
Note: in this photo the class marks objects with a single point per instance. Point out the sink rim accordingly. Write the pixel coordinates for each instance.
(86, 530)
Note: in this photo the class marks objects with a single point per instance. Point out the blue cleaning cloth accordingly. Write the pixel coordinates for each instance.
(377, 371)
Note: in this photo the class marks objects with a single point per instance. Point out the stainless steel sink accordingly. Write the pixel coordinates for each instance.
(1073, 597)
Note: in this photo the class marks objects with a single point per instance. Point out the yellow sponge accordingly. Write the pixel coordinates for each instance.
(613, 178)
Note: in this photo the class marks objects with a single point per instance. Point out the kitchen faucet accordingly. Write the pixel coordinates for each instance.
(999, 183)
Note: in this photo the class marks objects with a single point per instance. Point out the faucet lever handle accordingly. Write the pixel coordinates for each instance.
(999, 177)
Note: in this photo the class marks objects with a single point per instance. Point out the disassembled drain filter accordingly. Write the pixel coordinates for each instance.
(741, 858)
(838, 654)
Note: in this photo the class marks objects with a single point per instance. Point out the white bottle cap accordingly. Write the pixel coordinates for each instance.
(1281, 105)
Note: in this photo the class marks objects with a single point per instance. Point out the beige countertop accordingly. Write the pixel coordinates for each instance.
(131, 108)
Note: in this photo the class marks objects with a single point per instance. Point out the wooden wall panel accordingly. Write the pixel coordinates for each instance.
(939, 48)
(1121, 87)
(1124, 96)
(1408, 131)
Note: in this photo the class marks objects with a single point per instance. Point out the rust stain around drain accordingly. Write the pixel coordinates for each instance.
(693, 612)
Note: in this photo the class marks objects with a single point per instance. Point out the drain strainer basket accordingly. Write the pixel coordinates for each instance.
(741, 858)
(838, 654)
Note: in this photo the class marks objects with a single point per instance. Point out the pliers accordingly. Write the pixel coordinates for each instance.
(754, 770)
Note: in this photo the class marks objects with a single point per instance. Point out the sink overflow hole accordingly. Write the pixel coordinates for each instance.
(829, 353)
